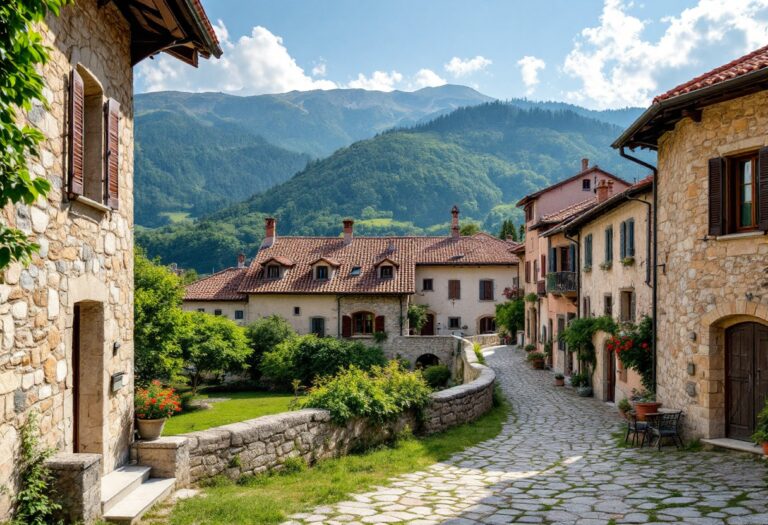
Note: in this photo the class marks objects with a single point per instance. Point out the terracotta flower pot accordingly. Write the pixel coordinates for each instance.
(150, 429)
(765, 447)
(643, 409)
(560, 382)
(538, 364)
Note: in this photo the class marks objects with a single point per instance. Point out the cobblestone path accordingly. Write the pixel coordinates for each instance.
(555, 462)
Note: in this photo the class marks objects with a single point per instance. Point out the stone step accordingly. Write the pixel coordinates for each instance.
(735, 444)
(120, 482)
(135, 504)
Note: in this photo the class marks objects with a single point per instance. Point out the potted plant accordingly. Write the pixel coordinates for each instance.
(530, 347)
(761, 430)
(153, 405)
(536, 359)
(645, 403)
(625, 407)
(580, 381)
(559, 380)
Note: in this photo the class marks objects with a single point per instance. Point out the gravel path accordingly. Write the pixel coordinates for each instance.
(555, 462)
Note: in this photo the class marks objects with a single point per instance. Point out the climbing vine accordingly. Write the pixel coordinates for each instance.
(34, 503)
(580, 333)
(21, 53)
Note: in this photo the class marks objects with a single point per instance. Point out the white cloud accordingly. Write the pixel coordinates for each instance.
(254, 64)
(427, 78)
(616, 67)
(378, 81)
(319, 70)
(529, 69)
(462, 67)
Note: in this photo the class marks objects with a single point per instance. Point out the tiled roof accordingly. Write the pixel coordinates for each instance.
(221, 286)
(753, 61)
(365, 252)
(206, 21)
(566, 213)
(593, 169)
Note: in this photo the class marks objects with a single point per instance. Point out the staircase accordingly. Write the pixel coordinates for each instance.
(128, 493)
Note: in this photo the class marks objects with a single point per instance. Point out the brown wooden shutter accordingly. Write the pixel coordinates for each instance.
(454, 289)
(346, 326)
(716, 196)
(762, 190)
(527, 271)
(378, 324)
(76, 134)
(111, 154)
(543, 266)
(486, 290)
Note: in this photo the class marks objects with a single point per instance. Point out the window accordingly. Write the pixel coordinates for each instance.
(587, 307)
(239, 314)
(744, 191)
(586, 185)
(627, 306)
(454, 289)
(609, 244)
(387, 271)
(527, 271)
(427, 285)
(201, 310)
(273, 271)
(535, 270)
(738, 193)
(486, 290)
(217, 312)
(608, 304)
(296, 310)
(588, 251)
(454, 323)
(488, 325)
(362, 323)
(355, 271)
(321, 273)
(317, 326)
(627, 238)
(529, 213)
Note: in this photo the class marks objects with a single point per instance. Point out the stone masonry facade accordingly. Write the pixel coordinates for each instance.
(705, 284)
(85, 257)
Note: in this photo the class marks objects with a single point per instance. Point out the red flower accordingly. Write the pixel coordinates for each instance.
(644, 345)
(153, 401)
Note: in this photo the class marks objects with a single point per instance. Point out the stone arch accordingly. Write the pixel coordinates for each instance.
(486, 324)
(425, 360)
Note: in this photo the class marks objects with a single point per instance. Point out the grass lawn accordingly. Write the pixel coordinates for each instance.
(241, 406)
(272, 498)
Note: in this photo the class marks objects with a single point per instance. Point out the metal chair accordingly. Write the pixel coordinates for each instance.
(663, 425)
(635, 428)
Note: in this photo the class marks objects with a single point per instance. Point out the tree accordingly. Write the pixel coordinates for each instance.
(263, 336)
(470, 228)
(511, 316)
(158, 320)
(21, 54)
(417, 316)
(212, 344)
(508, 230)
(521, 235)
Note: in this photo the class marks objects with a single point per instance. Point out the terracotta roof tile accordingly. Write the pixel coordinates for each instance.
(221, 286)
(753, 61)
(567, 212)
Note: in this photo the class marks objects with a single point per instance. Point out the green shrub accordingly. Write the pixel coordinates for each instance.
(417, 316)
(437, 376)
(263, 336)
(535, 356)
(530, 347)
(579, 379)
(761, 430)
(309, 357)
(381, 394)
(624, 405)
(479, 353)
(34, 502)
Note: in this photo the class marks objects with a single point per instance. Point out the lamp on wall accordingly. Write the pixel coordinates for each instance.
(115, 347)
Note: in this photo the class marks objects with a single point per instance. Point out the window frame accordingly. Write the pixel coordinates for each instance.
(359, 316)
(734, 195)
(201, 310)
(324, 268)
(218, 312)
(269, 270)
(430, 288)
(609, 243)
(312, 321)
(454, 285)
(482, 291)
(297, 310)
(608, 304)
(451, 322)
(239, 315)
(485, 320)
(588, 248)
(389, 269)
(586, 185)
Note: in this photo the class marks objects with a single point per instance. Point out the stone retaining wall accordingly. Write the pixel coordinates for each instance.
(265, 443)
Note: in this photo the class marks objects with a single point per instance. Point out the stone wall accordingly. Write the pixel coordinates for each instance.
(445, 347)
(705, 284)
(85, 256)
(265, 443)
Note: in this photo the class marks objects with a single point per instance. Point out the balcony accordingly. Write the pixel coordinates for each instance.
(541, 288)
(561, 283)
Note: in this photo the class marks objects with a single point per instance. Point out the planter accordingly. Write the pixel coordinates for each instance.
(765, 447)
(643, 409)
(560, 382)
(584, 391)
(537, 364)
(150, 429)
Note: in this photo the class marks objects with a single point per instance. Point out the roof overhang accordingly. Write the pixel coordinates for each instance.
(329, 261)
(386, 260)
(663, 115)
(604, 207)
(282, 261)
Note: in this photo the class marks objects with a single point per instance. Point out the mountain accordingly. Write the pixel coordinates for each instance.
(482, 158)
(621, 117)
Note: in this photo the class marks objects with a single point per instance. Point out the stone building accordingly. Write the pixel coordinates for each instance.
(352, 286)
(711, 135)
(66, 320)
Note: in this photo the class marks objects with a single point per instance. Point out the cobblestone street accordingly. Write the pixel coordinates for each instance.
(556, 462)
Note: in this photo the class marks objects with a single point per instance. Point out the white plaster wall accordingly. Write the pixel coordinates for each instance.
(227, 308)
(325, 306)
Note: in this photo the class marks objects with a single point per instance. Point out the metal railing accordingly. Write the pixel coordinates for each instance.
(561, 282)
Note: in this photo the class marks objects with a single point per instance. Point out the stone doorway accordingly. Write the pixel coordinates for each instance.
(610, 375)
(746, 370)
(88, 383)
(429, 326)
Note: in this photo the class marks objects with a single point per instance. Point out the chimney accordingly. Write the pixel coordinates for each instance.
(455, 233)
(348, 223)
(604, 190)
(241, 260)
(584, 164)
(270, 229)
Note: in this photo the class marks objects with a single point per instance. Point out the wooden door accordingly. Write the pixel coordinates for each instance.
(76, 381)
(746, 377)
(429, 326)
(610, 375)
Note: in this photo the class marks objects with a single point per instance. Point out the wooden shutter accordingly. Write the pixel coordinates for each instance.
(378, 324)
(76, 134)
(716, 196)
(631, 237)
(572, 258)
(527, 271)
(762, 189)
(543, 265)
(623, 239)
(454, 289)
(486, 290)
(111, 155)
(346, 326)
(588, 251)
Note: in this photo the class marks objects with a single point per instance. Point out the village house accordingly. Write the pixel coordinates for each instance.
(615, 276)
(66, 320)
(350, 286)
(711, 135)
(550, 260)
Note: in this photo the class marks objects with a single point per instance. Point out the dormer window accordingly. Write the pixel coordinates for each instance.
(586, 184)
(387, 271)
(273, 271)
(321, 273)
(355, 271)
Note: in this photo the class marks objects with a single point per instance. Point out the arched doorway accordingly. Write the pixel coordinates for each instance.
(487, 325)
(746, 372)
(429, 326)
(426, 360)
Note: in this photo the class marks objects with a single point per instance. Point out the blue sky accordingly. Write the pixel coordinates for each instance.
(597, 53)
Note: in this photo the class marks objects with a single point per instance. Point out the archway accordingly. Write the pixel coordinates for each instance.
(88, 395)
(425, 360)
(429, 326)
(487, 325)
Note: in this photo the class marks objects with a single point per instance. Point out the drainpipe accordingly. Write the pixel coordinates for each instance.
(654, 288)
(401, 315)
(338, 317)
